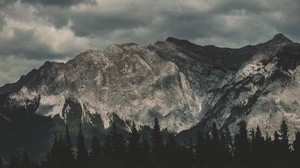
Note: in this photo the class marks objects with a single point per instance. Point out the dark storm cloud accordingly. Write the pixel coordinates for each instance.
(62, 3)
(2, 22)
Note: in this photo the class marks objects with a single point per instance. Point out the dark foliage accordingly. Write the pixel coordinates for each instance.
(215, 149)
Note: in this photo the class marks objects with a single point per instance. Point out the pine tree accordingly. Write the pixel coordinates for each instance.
(68, 149)
(275, 155)
(258, 148)
(117, 144)
(96, 148)
(133, 146)
(268, 148)
(226, 141)
(157, 140)
(172, 150)
(82, 154)
(54, 149)
(241, 151)
(107, 148)
(96, 151)
(284, 139)
(216, 149)
(145, 149)
(284, 147)
(200, 149)
(207, 150)
(296, 152)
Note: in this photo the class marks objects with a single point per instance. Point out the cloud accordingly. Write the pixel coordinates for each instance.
(30, 36)
(12, 67)
(62, 3)
(39, 30)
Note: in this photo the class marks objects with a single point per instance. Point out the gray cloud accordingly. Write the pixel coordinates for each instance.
(36, 31)
(25, 44)
(62, 3)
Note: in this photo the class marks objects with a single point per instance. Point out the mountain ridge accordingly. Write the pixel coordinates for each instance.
(192, 72)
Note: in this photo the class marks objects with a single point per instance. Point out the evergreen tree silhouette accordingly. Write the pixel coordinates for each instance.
(172, 150)
(117, 144)
(241, 146)
(157, 141)
(96, 152)
(268, 149)
(96, 148)
(133, 146)
(207, 150)
(82, 154)
(258, 149)
(211, 148)
(200, 149)
(284, 147)
(215, 147)
(68, 150)
(275, 156)
(296, 151)
(145, 150)
(114, 148)
(284, 139)
(226, 142)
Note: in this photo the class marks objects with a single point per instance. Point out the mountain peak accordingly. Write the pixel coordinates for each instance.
(280, 37)
(172, 39)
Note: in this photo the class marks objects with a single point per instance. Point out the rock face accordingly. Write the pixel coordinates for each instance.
(185, 85)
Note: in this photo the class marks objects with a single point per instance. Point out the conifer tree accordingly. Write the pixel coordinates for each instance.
(200, 149)
(226, 141)
(284, 139)
(284, 147)
(82, 154)
(296, 147)
(241, 151)
(207, 150)
(172, 150)
(95, 148)
(68, 149)
(96, 151)
(157, 140)
(107, 148)
(216, 153)
(134, 145)
(145, 149)
(117, 144)
(258, 148)
(54, 148)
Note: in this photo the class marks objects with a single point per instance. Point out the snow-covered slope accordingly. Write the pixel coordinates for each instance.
(183, 84)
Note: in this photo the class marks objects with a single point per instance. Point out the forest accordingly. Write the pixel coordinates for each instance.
(213, 149)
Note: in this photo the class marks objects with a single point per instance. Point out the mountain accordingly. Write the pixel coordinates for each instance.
(187, 86)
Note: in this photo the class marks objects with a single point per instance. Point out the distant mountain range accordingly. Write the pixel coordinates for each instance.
(187, 86)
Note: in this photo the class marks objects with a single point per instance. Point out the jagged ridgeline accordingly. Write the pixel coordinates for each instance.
(186, 86)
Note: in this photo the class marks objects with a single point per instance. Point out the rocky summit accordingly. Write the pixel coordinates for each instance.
(187, 86)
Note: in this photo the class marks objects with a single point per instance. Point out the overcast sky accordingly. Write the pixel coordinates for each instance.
(33, 31)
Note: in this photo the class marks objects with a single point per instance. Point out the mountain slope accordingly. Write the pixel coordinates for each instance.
(185, 85)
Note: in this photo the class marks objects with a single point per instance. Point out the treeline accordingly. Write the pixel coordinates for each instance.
(213, 149)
